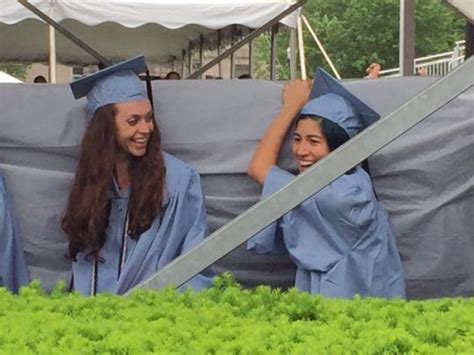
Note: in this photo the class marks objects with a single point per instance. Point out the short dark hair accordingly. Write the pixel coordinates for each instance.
(40, 79)
(171, 73)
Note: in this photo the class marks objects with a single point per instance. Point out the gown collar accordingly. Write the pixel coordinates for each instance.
(115, 191)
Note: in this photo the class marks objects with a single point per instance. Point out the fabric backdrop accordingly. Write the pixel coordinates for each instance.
(424, 179)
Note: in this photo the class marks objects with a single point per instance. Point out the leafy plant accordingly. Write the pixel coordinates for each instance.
(229, 320)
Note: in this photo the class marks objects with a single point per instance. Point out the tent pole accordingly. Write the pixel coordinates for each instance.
(66, 33)
(321, 48)
(251, 60)
(301, 49)
(183, 65)
(254, 34)
(273, 52)
(52, 55)
(252, 53)
(52, 51)
(232, 57)
(190, 58)
(406, 55)
(201, 46)
(292, 53)
(469, 39)
(219, 40)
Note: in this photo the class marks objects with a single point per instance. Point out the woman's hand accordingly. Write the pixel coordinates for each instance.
(296, 93)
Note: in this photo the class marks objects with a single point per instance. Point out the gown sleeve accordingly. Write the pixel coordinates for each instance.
(13, 271)
(270, 239)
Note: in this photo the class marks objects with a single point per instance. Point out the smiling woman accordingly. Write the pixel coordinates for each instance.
(309, 143)
(135, 125)
(132, 208)
(340, 238)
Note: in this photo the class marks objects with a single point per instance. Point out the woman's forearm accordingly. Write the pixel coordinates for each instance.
(268, 150)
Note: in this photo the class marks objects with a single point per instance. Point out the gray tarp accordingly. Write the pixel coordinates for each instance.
(424, 179)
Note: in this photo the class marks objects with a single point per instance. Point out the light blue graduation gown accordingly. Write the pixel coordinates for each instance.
(181, 226)
(340, 239)
(13, 271)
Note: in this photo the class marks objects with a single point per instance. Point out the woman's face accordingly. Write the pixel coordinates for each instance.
(309, 143)
(134, 122)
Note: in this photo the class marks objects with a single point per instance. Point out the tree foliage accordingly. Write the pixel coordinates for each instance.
(356, 33)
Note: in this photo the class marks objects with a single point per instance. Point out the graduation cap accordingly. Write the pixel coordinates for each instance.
(115, 84)
(330, 100)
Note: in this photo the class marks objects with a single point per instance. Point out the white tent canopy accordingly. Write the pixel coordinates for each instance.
(160, 29)
(7, 78)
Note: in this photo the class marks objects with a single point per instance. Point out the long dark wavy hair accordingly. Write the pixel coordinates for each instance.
(87, 214)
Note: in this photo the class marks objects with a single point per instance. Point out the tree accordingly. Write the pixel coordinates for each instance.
(356, 33)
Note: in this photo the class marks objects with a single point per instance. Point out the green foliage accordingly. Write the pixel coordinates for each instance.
(356, 33)
(437, 26)
(229, 320)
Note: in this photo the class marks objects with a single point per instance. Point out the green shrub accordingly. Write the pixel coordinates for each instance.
(228, 320)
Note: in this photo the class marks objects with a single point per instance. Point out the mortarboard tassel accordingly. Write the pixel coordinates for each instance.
(149, 88)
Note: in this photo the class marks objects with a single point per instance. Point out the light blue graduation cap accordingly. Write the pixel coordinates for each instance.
(330, 100)
(115, 84)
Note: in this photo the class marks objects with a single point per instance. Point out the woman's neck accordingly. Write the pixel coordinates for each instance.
(122, 175)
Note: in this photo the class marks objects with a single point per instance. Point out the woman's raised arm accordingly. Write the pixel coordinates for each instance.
(295, 95)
